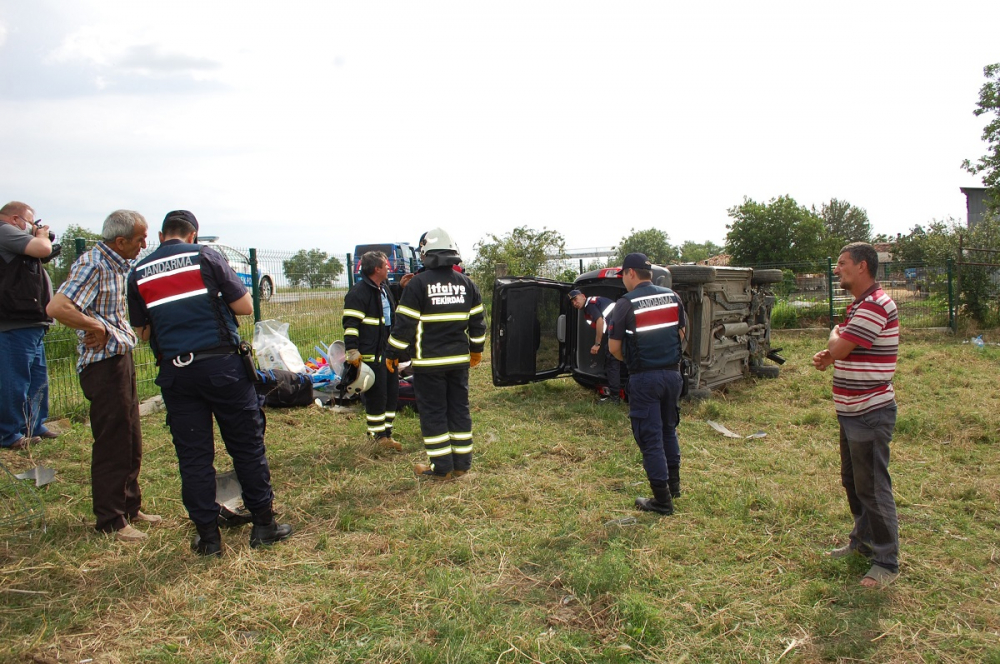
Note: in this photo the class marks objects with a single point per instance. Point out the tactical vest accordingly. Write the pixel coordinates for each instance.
(186, 317)
(656, 342)
(24, 290)
(604, 314)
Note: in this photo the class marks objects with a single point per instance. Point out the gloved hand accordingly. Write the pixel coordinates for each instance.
(475, 359)
(354, 357)
(391, 364)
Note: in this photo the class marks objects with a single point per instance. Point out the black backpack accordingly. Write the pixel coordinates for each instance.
(284, 389)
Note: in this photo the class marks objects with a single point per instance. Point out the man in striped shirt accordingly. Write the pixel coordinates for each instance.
(863, 354)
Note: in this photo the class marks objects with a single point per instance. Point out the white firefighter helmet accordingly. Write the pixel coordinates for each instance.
(356, 380)
(437, 239)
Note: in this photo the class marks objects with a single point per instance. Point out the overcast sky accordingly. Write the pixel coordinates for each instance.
(328, 124)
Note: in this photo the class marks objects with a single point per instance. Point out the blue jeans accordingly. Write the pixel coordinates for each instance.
(653, 400)
(24, 384)
(864, 472)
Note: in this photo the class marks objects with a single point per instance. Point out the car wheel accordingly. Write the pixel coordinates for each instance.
(765, 371)
(767, 277)
(266, 289)
(692, 274)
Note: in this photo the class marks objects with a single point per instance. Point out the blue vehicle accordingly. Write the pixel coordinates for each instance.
(402, 259)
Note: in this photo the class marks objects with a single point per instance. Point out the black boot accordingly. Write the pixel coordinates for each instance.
(661, 502)
(266, 530)
(675, 481)
(208, 541)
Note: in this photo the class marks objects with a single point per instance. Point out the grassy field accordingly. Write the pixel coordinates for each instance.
(539, 555)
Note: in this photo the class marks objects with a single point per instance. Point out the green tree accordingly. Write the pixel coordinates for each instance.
(58, 267)
(977, 286)
(692, 252)
(844, 224)
(932, 245)
(312, 268)
(781, 231)
(989, 164)
(525, 252)
(652, 242)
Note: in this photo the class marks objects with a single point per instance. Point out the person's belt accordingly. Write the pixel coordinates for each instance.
(189, 358)
(669, 367)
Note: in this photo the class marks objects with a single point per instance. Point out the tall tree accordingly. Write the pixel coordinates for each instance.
(692, 252)
(989, 164)
(781, 231)
(652, 242)
(525, 252)
(930, 245)
(844, 223)
(313, 268)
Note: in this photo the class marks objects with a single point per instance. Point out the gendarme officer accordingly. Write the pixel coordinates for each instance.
(647, 330)
(183, 298)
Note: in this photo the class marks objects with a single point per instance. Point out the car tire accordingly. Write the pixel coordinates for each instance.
(692, 274)
(765, 371)
(266, 289)
(761, 277)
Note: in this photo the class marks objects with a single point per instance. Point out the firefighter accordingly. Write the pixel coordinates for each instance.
(441, 315)
(647, 330)
(596, 310)
(183, 298)
(368, 312)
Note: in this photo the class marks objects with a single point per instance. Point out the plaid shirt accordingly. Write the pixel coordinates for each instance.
(96, 284)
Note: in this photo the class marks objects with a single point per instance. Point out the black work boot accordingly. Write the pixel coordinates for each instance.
(208, 541)
(675, 481)
(660, 503)
(266, 530)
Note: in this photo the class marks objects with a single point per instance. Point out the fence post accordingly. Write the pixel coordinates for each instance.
(350, 271)
(255, 284)
(952, 319)
(829, 287)
(81, 246)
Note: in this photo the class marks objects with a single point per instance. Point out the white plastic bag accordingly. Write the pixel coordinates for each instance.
(274, 349)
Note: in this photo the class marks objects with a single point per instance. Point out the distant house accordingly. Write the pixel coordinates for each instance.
(975, 205)
(720, 260)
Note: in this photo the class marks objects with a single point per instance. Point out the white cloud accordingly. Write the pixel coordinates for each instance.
(3, 34)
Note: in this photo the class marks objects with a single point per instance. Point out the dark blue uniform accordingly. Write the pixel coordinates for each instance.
(596, 308)
(648, 321)
(182, 291)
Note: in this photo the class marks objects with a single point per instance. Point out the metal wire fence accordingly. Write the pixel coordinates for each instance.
(307, 293)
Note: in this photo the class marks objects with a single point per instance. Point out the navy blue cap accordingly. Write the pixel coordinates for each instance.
(636, 261)
(573, 293)
(183, 215)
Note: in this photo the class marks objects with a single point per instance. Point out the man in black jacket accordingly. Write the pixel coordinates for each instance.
(446, 308)
(368, 311)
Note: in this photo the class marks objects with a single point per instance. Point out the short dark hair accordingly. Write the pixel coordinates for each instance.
(371, 261)
(862, 251)
(644, 275)
(177, 227)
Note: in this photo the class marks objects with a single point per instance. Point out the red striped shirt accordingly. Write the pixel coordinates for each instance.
(862, 381)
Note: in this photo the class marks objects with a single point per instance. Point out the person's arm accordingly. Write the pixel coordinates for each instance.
(243, 306)
(39, 246)
(66, 312)
(615, 348)
(598, 336)
(837, 346)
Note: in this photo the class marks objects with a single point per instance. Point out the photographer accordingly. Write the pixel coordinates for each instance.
(25, 290)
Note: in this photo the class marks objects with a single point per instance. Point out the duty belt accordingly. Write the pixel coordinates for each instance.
(218, 351)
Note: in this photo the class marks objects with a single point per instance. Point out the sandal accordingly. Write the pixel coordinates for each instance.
(880, 575)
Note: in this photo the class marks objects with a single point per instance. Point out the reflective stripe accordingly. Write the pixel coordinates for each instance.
(367, 358)
(438, 361)
(478, 309)
(396, 343)
(432, 440)
(440, 318)
(465, 449)
(439, 452)
(351, 332)
(406, 311)
(354, 313)
(376, 418)
(478, 340)
(372, 321)
(462, 435)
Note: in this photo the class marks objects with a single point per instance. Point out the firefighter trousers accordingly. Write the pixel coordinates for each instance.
(380, 400)
(445, 422)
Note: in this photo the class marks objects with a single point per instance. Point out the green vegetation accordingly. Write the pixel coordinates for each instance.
(539, 555)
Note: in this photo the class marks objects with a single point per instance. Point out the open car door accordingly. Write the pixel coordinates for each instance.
(530, 337)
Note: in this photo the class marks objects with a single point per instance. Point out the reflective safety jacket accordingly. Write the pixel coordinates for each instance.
(441, 314)
(185, 309)
(648, 321)
(365, 328)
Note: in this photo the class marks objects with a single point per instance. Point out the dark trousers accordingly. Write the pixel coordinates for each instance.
(445, 422)
(110, 387)
(655, 413)
(380, 401)
(864, 472)
(216, 386)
